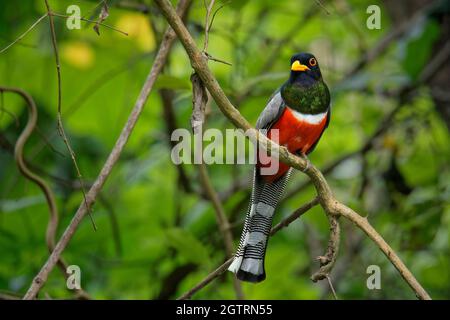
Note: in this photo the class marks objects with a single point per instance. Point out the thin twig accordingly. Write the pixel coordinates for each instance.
(95, 189)
(4, 111)
(61, 130)
(332, 288)
(207, 23)
(24, 34)
(56, 15)
(210, 57)
(352, 250)
(9, 296)
(92, 21)
(47, 143)
(320, 4)
(99, 82)
(295, 215)
(102, 80)
(328, 260)
(215, 13)
(209, 278)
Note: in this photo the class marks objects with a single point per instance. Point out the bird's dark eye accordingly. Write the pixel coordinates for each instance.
(312, 62)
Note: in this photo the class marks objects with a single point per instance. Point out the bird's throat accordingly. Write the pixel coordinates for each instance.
(307, 98)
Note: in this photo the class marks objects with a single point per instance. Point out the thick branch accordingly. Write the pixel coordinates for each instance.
(93, 192)
(326, 197)
(363, 224)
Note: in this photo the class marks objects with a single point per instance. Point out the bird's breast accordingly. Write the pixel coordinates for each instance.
(298, 131)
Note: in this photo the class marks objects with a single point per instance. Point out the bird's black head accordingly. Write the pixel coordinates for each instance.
(304, 68)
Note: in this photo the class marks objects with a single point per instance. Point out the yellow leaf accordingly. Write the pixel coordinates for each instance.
(138, 28)
(77, 53)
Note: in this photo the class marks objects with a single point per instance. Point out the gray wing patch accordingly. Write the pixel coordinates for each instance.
(271, 112)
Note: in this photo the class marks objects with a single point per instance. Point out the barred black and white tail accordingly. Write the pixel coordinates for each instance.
(248, 263)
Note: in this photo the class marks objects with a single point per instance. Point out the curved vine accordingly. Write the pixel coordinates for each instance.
(52, 225)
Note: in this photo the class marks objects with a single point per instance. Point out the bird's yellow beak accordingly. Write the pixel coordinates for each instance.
(297, 66)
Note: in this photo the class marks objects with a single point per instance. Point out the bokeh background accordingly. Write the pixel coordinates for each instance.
(385, 154)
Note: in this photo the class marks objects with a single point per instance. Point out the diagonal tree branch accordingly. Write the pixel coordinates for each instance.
(24, 34)
(113, 157)
(326, 198)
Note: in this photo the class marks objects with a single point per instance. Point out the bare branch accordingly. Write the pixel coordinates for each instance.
(207, 23)
(327, 261)
(93, 21)
(332, 288)
(320, 4)
(24, 34)
(61, 130)
(113, 157)
(215, 13)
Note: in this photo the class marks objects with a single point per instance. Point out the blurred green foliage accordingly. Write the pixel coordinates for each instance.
(155, 240)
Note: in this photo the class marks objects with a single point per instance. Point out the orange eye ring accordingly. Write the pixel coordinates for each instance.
(312, 62)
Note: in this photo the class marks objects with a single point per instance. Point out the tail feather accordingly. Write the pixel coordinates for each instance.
(248, 263)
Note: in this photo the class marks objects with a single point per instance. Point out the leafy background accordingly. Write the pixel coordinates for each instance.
(154, 239)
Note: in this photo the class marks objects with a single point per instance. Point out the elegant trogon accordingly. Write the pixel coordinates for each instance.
(300, 111)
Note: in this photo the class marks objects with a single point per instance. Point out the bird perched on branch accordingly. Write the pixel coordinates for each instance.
(297, 114)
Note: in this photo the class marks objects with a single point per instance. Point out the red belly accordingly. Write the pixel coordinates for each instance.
(297, 135)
